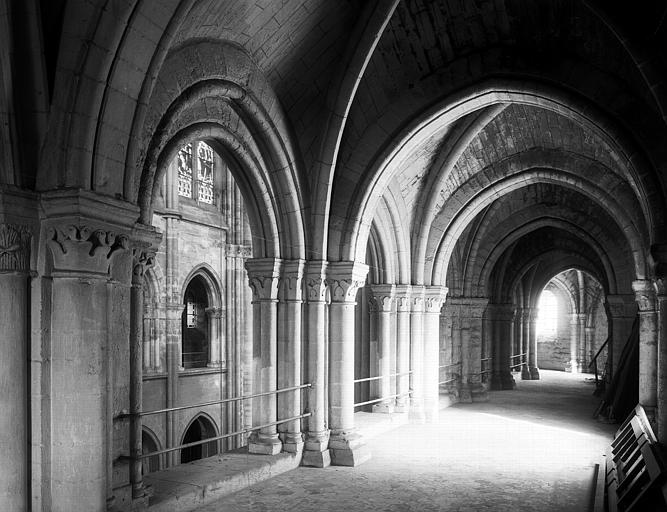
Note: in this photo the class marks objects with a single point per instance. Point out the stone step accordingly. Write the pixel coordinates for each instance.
(188, 486)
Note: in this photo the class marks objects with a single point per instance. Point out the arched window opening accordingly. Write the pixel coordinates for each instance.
(148, 445)
(195, 327)
(547, 317)
(200, 429)
(196, 165)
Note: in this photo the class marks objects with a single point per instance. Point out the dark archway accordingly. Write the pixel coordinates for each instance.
(201, 428)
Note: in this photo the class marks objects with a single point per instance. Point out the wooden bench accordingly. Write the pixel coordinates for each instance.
(635, 476)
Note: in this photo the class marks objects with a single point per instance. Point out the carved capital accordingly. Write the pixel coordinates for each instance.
(403, 294)
(344, 280)
(434, 298)
(316, 286)
(15, 243)
(417, 299)
(644, 295)
(291, 279)
(263, 277)
(384, 296)
(142, 260)
(84, 248)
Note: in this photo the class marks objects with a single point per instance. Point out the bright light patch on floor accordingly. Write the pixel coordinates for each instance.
(547, 317)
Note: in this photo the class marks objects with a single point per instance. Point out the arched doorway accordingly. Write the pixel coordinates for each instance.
(201, 428)
(149, 444)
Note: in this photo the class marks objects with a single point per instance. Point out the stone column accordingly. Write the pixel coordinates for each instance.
(316, 448)
(142, 260)
(661, 307)
(346, 446)
(589, 335)
(503, 318)
(15, 245)
(403, 293)
(263, 277)
(417, 413)
(434, 297)
(215, 337)
(94, 349)
(530, 322)
(648, 347)
(289, 353)
(621, 311)
(522, 332)
(577, 321)
(384, 299)
(473, 312)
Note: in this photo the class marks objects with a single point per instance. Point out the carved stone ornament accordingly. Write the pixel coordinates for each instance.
(83, 248)
(644, 295)
(316, 289)
(344, 290)
(142, 260)
(384, 296)
(291, 280)
(14, 247)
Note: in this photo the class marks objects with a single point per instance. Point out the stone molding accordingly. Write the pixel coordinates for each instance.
(469, 307)
(383, 297)
(238, 251)
(15, 242)
(503, 312)
(644, 295)
(344, 280)
(263, 278)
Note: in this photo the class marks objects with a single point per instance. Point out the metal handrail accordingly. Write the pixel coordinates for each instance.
(447, 381)
(519, 355)
(598, 352)
(449, 365)
(216, 402)
(217, 438)
(381, 377)
(381, 399)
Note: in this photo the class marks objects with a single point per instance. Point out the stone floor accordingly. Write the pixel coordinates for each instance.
(531, 449)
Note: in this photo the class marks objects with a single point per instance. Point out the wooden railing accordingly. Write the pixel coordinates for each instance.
(635, 472)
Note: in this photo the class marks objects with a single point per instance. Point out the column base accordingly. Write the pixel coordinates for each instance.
(401, 408)
(465, 393)
(431, 413)
(384, 408)
(496, 382)
(507, 381)
(316, 450)
(265, 444)
(292, 442)
(525, 373)
(348, 450)
(534, 373)
(416, 412)
(478, 393)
